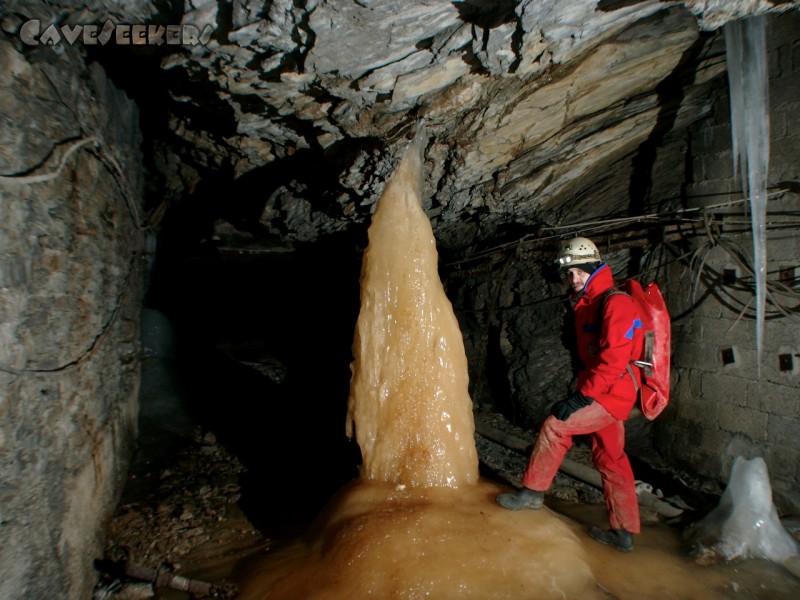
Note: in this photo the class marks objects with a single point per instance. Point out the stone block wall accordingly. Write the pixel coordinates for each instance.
(70, 294)
(512, 319)
(722, 407)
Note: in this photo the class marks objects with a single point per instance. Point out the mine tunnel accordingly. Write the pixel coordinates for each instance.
(186, 194)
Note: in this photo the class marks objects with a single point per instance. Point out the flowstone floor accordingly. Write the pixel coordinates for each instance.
(182, 520)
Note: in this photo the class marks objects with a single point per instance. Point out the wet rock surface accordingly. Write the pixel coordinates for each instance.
(529, 103)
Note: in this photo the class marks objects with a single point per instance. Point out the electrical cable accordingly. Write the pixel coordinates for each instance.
(109, 160)
(105, 155)
(649, 220)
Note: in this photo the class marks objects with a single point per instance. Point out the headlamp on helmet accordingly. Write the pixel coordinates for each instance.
(578, 250)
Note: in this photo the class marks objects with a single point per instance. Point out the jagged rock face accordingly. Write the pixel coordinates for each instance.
(287, 123)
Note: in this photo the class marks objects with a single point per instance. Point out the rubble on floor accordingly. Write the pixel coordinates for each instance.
(176, 513)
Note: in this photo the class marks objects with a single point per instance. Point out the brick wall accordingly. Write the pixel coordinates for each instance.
(721, 407)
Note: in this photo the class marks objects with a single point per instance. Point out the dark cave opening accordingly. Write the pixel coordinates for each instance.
(262, 335)
(263, 348)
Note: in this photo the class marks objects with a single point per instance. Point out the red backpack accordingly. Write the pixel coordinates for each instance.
(654, 363)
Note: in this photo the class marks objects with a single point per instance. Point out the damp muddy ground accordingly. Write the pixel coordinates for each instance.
(181, 515)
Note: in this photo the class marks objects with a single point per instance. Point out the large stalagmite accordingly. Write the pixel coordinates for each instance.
(409, 401)
(418, 523)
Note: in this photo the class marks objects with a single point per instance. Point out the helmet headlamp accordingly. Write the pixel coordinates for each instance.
(578, 250)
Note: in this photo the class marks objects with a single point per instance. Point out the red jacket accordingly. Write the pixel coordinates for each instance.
(607, 343)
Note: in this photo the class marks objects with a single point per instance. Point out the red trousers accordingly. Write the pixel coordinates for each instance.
(608, 453)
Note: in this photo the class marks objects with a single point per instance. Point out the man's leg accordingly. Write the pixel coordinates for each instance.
(552, 443)
(619, 487)
(555, 438)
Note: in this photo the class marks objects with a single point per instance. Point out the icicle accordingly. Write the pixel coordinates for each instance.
(746, 49)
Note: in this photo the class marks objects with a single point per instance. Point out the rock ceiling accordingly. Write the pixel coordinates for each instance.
(540, 113)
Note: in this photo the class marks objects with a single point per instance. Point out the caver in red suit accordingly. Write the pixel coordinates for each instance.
(609, 337)
(607, 343)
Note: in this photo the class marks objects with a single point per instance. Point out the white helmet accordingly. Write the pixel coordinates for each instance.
(578, 250)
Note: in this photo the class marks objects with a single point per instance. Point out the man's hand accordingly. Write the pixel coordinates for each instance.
(562, 410)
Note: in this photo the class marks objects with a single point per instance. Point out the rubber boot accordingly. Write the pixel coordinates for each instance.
(525, 498)
(617, 538)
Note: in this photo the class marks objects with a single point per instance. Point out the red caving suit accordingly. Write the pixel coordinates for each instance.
(607, 343)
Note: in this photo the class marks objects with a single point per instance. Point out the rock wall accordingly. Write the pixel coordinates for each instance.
(71, 277)
(721, 407)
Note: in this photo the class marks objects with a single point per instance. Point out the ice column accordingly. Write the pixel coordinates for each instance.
(745, 46)
(745, 523)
